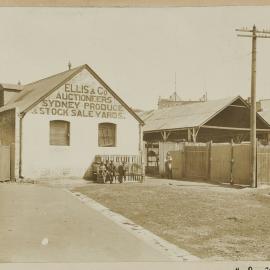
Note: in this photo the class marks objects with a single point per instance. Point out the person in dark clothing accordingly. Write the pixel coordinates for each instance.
(101, 172)
(107, 171)
(122, 172)
(112, 171)
(107, 164)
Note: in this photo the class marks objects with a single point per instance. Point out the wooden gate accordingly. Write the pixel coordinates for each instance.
(196, 161)
(178, 163)
(263, 164)
(241, 164)
(221, 162)
(4, 163)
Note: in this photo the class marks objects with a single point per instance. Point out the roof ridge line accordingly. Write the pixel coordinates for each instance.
(49, 77)
(75, 71)
(201, 102)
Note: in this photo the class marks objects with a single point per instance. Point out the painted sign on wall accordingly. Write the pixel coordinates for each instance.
(81, 100)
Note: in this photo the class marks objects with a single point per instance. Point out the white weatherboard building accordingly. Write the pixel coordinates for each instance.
(57, 125)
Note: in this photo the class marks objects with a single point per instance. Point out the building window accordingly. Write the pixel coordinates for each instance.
(106, 135)
(59, 132)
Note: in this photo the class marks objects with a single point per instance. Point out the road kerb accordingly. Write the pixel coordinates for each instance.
(170, 250)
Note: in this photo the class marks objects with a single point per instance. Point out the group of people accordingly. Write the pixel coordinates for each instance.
(108, 172)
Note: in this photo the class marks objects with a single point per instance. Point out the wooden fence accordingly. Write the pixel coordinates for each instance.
(4, 163)
(164, 148)
(241, 162)
(196, 161)
(220, 162)
(263, 165)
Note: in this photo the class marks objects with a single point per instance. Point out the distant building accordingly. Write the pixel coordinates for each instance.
(175, 100)
(263, 108)
(263, 105)
(7, 91)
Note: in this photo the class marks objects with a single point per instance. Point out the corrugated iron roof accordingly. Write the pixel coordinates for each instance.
(32, 92)
(186, 116)
(145, 114)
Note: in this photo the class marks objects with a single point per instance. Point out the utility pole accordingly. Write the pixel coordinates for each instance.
(254, 33)
(174, 86)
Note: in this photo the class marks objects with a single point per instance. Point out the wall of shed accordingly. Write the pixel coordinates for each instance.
(173, 136)
(8, 95)
(238, 117)
(219, 135)
(42, 160)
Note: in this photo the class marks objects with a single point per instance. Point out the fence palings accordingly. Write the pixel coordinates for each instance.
(220, 165)
(219, 162)
(4, 163)
(241, 164)
(164, 148)
(196, 162)
(178, 159)
(263, 164)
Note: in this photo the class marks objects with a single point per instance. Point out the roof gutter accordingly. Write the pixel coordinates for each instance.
(171, 129)
(234, 128)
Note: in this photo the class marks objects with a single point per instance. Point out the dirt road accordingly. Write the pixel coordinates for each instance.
(47, 224)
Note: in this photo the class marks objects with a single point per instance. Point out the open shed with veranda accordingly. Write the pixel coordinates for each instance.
(219, 121)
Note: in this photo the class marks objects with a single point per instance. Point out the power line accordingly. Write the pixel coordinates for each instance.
(254, 34)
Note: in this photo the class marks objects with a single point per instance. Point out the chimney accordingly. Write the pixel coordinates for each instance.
(69, 65)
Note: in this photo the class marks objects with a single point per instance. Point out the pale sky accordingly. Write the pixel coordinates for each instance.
(137, 51)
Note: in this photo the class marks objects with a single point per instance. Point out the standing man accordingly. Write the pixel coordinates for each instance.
(120, 173)
(168, 166)
(108, 172)
(101, 172)
(122, 168)
(112, 170)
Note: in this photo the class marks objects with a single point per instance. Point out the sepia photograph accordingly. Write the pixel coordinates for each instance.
(135, 134)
